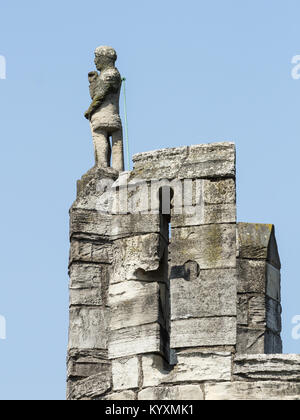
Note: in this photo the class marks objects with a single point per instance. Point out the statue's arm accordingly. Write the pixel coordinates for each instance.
(96, 103)
(103, 89)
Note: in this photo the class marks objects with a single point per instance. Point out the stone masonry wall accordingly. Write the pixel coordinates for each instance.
(170, 298)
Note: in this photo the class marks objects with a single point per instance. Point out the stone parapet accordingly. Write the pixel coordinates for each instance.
(170, 297)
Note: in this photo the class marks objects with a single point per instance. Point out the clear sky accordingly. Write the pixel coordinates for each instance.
(197, 71)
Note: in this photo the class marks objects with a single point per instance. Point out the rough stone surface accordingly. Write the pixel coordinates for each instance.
(125, 373)
(121, 396)
(211, 246)
(90, 388)
(284, 367)
(90, 252)
(208, 214)
(212, 293)
(136, 256)
(180, 392)
(251, 276)
(242, 310)
(90, 224)
(88, 276)
(202, 161)
(268, 390)
(258, 276)
(203, 332)
(88, 328)
(191, 367)
(250, 340)
(134, 303)
(136, 340)
(125, 225)
(216, 191)
(257, 241)
(85, 363)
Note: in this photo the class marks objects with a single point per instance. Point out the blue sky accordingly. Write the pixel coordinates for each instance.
(197, 72)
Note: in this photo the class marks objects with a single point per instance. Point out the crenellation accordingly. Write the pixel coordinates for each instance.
(258, 290)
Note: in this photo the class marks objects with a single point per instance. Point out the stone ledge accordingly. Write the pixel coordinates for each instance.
(268, 390)
(283, 367)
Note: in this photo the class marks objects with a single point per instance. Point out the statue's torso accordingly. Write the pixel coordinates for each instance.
(107, 115)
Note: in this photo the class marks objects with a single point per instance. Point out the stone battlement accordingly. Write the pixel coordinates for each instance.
(170, 297)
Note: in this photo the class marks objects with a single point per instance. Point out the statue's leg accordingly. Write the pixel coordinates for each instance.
(101, 147)
(117, 151)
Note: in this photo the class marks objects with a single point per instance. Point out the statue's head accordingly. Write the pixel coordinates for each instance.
(105, 57)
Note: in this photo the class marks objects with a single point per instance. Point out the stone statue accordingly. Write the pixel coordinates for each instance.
(103, 112)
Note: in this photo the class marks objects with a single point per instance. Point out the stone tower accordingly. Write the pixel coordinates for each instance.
(170, 297)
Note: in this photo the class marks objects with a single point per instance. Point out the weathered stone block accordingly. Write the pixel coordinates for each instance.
(138, 258)
(90, 388)
(258, 341)
(219, 213)
(191, 367)
(211, 246)
(125, 225)
(250, 340)
(242, 310)
(263, 312)
(90, 223)
(155, 369)
(209, 161)
(85, 276)
(283, 367)
(180, 392)
(85, 364)
(251, 276)
(213, 293)
(134, 303)
(87, 251)
(125, 342)
(88, 328)
(257, 241)
(203, 332)
(257, 311)
(201, 161)
(158, 164)
(121, 396)
(86, 297)
(258, 276)
(207, 214)
(131, 196)
(95, 182)
(219, 191)
(125, 373)
(268, 390)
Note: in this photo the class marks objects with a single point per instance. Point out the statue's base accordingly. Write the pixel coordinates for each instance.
(87, 184)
